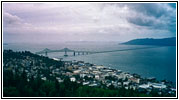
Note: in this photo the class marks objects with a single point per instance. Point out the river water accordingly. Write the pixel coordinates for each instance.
(159, 62)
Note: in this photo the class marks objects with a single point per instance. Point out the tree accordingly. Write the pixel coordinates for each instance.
(10, 92)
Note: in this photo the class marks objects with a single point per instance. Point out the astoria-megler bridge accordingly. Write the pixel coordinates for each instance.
(76, 52)
(65, 50)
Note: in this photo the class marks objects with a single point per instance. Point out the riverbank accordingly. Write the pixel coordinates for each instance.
(96, 75)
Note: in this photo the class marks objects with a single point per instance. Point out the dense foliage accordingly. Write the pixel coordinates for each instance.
(17, 86)
(9, 55)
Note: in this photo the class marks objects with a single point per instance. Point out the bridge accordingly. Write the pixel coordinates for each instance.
(76, 52)
(65, 50)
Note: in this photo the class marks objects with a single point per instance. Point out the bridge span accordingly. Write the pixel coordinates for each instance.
(76, 52)
(65, 50)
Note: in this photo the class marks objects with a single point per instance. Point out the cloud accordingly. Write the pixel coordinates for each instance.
(11, 20)
(89, 21)
(14, 24)
(156, 16)
(152, 15)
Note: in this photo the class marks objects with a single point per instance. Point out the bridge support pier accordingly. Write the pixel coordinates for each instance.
(74, 53)
(65, 53)
(46, 53)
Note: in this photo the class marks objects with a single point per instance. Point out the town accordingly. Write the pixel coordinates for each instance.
(96, 75)
(83, 73)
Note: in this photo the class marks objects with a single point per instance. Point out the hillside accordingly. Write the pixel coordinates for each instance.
(150, 41)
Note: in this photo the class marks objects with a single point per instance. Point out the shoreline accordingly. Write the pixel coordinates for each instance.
(96, 75)
(110, 67)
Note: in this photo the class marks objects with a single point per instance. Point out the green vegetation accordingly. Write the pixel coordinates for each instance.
(18, 86)
(10, 55)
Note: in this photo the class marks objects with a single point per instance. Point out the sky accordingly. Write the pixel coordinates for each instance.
(58, 22)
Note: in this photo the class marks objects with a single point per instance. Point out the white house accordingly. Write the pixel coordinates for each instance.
(73, 79)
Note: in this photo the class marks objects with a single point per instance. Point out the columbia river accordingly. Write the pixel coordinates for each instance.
(159, 62)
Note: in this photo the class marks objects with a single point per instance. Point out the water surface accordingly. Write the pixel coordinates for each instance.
(159, 62)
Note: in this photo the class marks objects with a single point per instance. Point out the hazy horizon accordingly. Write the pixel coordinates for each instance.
(95, 22)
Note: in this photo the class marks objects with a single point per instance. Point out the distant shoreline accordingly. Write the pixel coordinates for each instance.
(155, 42)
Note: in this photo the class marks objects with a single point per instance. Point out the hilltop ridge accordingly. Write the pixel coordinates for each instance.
(150, 41)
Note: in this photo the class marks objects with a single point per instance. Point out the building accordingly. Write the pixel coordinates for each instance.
(72, 79)
(158, 85)
(144, 86)
(135, 80)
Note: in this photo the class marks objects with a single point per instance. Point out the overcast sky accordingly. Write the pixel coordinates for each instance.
(57, 22)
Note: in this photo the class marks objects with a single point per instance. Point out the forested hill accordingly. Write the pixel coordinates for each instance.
(150, 41)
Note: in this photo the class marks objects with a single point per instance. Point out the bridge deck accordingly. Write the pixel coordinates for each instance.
(91, 52)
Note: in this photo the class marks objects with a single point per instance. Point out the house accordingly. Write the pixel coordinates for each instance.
(59, 79)
(44, 78)
(85, 83)
(126, 83)
(158, 85)
(76, 71)
(96, 76)
(72, 79)
(144, 86)
(135, 80)
(82, 75)
(99, 67)
(133, 87)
